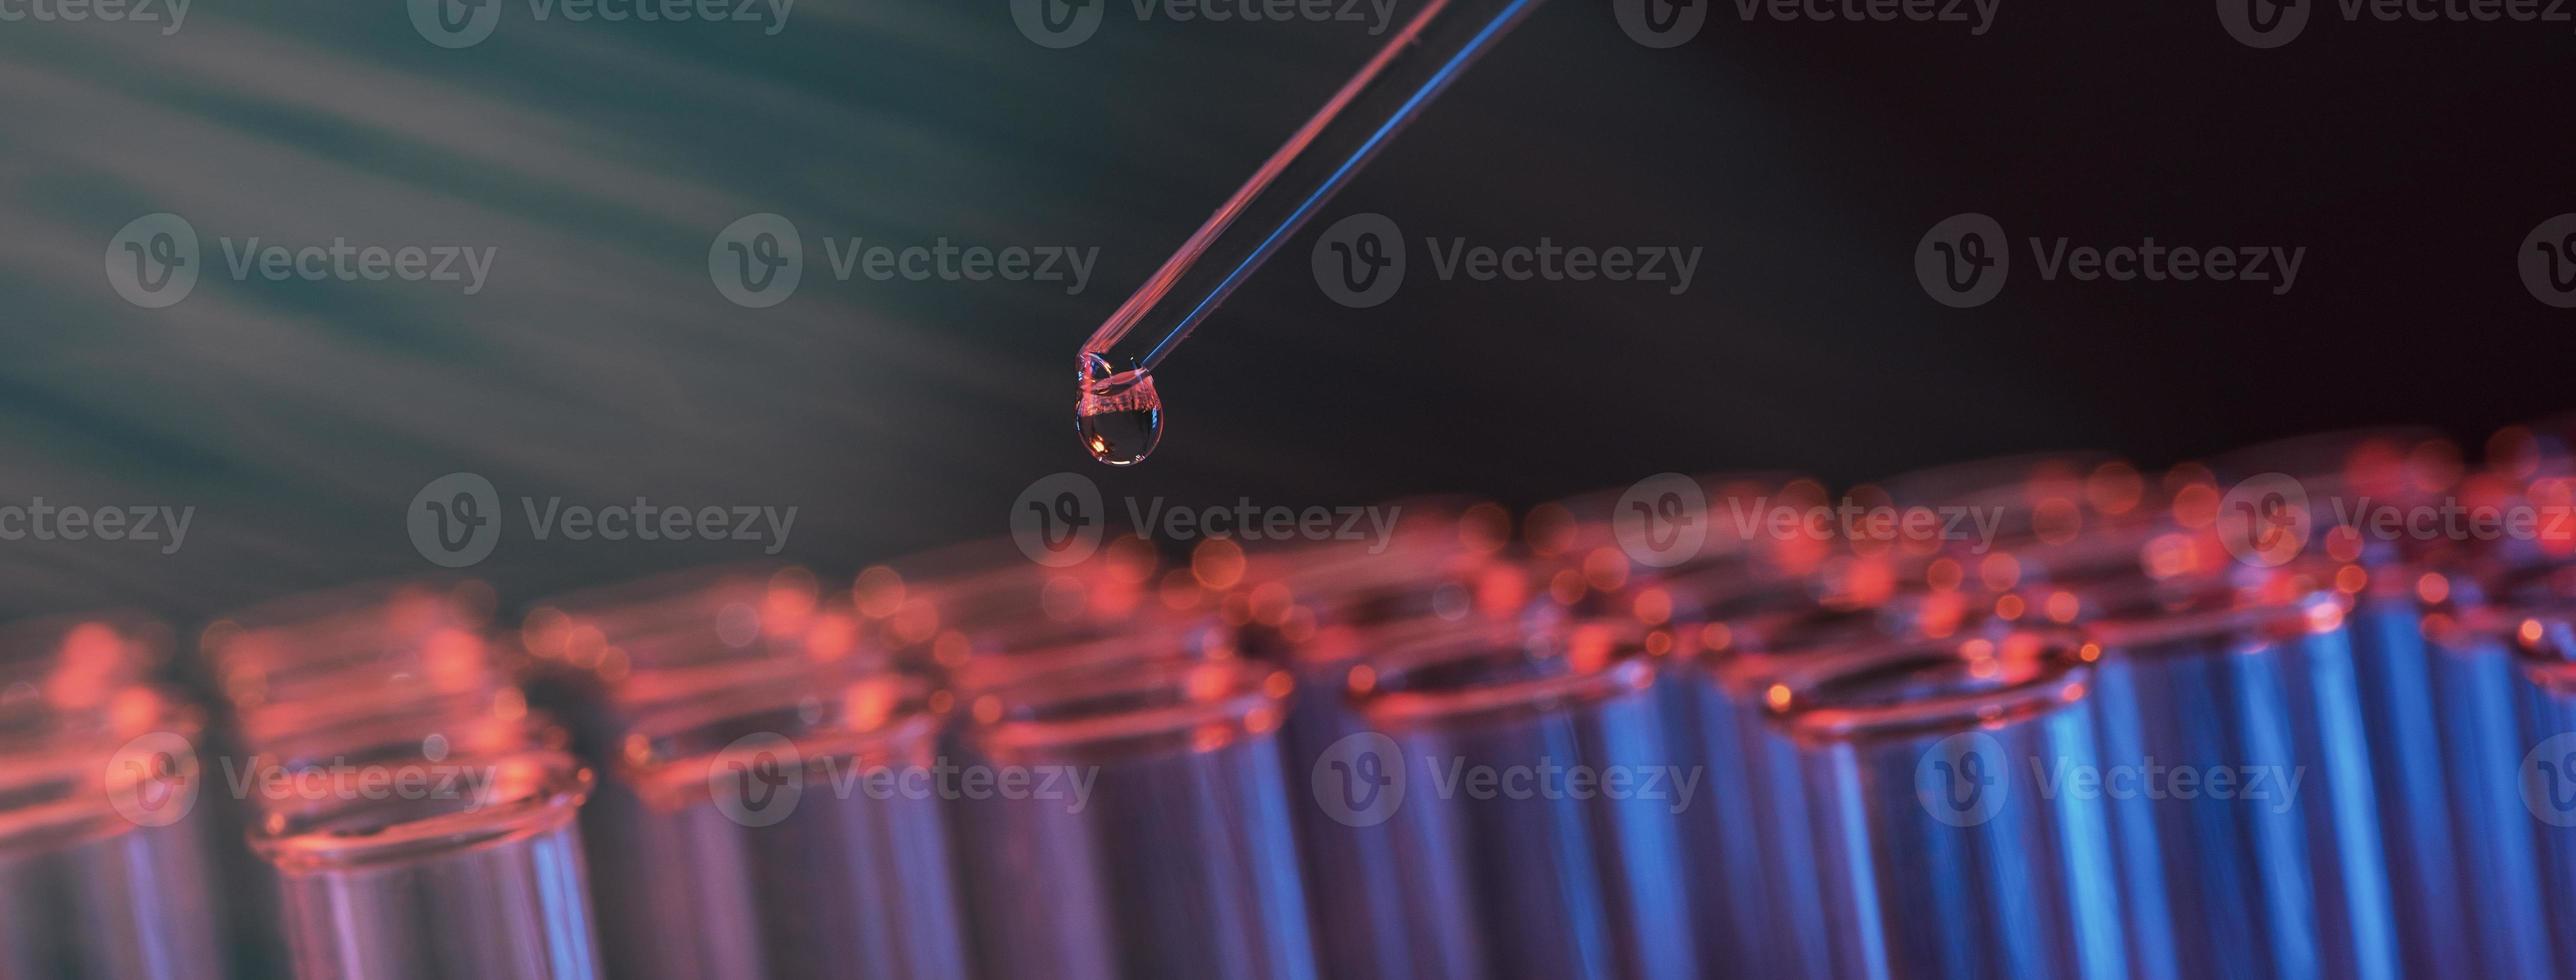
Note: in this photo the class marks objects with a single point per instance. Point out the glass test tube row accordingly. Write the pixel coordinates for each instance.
(1283, 753)
(2281, 764)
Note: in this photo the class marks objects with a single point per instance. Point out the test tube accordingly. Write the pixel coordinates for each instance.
(104, 870)
(474, 871)
(1751, 845)
(823, 855)
(1323, 611)
(2421, 709)
(2538, 626)
(1356, 881)
(2503, 637)
(788, 828)
(2250, 842)
(1942, 851)
(2458, 856)
(1705, 606)
(1162, 851)
(1533, 781)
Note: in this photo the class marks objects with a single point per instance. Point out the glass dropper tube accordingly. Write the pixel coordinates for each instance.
(1118, 414)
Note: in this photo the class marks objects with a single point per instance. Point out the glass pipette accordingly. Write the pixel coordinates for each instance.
(1118, 414)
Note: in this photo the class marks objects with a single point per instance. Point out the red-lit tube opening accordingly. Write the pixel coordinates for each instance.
(781, 829)
(1134, 823)
(458, 865)
(1486, 731)
(1904, 689)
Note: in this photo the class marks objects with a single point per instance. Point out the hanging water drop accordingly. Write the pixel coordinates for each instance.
(1118, 415)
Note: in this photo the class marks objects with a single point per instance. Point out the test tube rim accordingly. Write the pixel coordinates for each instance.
(1247, 698)
(296, 848)
(2277, 603)
(1624, 668)
(69, 820)
(1752, 666)
(2540, 592)
(2060, 678)
(989, 669)
(402, 726)
(674, 776)
(84, 811)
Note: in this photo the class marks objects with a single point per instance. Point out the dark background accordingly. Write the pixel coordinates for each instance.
(1806, 159)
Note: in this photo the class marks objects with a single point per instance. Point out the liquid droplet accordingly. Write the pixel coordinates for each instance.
(1119, 417)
